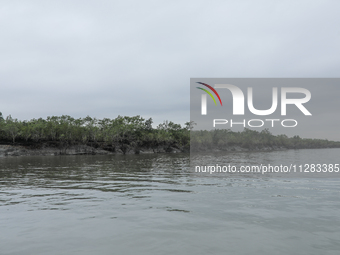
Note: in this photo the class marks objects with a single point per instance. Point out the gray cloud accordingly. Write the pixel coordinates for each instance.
(109, 58)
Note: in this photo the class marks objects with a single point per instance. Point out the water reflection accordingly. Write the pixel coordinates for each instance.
(34, 180)
(154, 204)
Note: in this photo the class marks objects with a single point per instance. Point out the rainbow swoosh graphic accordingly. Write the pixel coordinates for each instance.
(212, 89)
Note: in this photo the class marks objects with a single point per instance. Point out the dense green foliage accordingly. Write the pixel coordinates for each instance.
(126, 134)
(119, 134)
(251, 139)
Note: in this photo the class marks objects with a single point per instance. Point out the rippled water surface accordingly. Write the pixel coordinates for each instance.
(154, 204)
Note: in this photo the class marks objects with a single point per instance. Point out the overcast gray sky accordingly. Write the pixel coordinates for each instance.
(108, 58)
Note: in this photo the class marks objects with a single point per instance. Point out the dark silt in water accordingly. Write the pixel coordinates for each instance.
(155, 204)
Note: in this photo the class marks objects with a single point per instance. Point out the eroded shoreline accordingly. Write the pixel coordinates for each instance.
(19, 150)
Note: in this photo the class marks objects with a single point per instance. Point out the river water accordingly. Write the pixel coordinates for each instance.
(155, 204)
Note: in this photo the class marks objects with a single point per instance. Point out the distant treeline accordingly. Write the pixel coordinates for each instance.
(125, 134)
(120, 134)
(223, 139)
